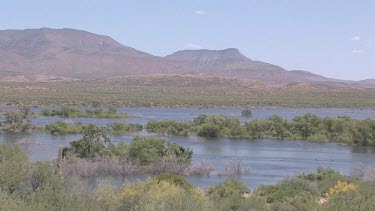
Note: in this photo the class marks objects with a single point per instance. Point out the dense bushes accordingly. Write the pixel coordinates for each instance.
(61, 127)
(142, 150)
(91, 145)
(247, 113)
(124, 127)
(152, 194)
(168, 127)
(308, 127)
(17, 121)
(72, 112)
(146, 150)
(33, 186)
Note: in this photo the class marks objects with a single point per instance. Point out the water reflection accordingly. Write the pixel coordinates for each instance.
(268, 161)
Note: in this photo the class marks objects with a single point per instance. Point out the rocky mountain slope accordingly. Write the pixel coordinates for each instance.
(67, 54)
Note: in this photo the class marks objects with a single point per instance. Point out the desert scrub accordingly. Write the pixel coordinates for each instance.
(340, 187)
(124, 128)
(172, 91)
(168, 127)
(73, 112)
(61, 127)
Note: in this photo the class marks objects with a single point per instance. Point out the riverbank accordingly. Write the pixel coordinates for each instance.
(29, 185)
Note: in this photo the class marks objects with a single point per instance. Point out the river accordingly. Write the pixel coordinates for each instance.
(266, 161)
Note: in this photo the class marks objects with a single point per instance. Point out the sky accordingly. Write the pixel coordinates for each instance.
(333, 38)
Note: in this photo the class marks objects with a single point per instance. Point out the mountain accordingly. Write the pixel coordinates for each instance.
(231, 63)
(68, 54)
(74, 54)
(208, 57)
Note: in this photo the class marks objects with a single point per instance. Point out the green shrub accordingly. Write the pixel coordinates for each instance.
(13, 168)
(287, 189)
(174, 179)
(147, 150)
(124, 128)
(247, 113)
(168, 127)
(91, 145)
(61, 127)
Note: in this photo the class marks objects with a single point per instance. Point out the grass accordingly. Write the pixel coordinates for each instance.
(181, 91)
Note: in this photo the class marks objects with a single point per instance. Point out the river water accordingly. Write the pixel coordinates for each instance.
(266, 161)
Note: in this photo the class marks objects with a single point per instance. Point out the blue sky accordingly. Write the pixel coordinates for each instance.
(334, 38)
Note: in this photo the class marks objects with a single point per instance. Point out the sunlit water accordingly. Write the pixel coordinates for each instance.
(267, 161)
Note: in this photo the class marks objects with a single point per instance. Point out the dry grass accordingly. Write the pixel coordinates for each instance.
(118, 167)
(182, 91)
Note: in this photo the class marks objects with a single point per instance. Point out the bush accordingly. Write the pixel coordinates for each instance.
(147, 150)
(287, 189)
(91, 145)
(124, 128)
(72, 112)
(209, 131)
(61, 127)
(18, 121)
(168, 127)
(247, 113)
(228, 195)
(174, 179)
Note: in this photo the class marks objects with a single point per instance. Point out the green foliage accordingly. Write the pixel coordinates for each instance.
(146, 150)
(61, 127)
(228, 188)
(91, 145)
(72, 112)
(286, 190)
(217, 126)
(209, 131)
(228, 195)
(168, 127)
(360, 199)
(151, 195)
(174, 179)
(124, 128)
(13, 167)
(33, 186)
(308, 127)
(18, 121)
(247, 113)
(119, 151)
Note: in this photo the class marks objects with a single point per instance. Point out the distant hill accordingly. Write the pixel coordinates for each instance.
(208, 57)
(73, 53)
(68, 54)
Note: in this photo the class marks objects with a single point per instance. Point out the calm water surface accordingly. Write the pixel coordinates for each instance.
(267, 161)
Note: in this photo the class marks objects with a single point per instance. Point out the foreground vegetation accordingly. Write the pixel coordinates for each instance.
(29, 186)
(181, 91)
(310, 127)
(94, 154)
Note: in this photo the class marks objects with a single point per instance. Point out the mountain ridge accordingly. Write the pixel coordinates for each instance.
(71, 54)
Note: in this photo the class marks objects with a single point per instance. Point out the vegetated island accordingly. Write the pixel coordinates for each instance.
(344, 130)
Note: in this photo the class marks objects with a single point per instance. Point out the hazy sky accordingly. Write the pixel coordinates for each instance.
(334, 38)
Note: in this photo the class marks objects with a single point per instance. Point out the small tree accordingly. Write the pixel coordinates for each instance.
(18, 121)
(247, 113)
(92, 143)
(146, 149)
